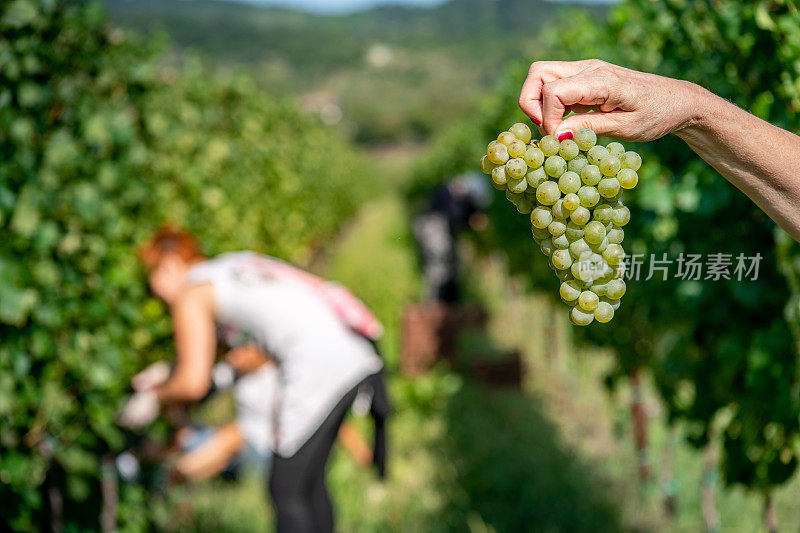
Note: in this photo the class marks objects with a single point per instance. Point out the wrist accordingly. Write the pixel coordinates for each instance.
(698, 106)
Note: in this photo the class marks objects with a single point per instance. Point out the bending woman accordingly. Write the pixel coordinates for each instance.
(250, 298)
(755, 156)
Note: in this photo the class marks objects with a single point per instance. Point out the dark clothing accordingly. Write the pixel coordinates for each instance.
(297, 483)
(449, 209)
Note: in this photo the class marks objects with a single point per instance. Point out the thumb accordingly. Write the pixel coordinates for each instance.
(603, 124)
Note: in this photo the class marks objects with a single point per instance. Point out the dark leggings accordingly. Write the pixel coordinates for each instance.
(297, 483)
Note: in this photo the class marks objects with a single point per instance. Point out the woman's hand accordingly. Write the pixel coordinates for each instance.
(613, 101)
(634, 106)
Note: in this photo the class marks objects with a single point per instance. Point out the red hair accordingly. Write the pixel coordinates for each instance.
(170, 239)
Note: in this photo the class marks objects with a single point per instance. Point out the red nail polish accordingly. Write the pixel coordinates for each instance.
(565, 135)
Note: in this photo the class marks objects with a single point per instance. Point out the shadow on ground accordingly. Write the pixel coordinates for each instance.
(513, 473)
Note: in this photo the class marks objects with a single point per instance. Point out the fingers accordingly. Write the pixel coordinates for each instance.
(603, 124)
(580, 91)
(542, 72)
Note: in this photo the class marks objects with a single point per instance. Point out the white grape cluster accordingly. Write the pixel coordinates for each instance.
(572, 190)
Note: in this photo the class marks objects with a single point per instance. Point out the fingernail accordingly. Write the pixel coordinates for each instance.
(564, 135)
(536, 122)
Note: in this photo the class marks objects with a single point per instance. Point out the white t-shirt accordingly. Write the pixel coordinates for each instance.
(255, 394)
(319, 358)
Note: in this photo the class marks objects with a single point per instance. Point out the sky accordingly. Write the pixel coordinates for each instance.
(341, 6)
(344, 6)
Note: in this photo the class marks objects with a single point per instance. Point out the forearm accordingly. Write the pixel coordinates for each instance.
(758, 158)
(355, 444)
(178, 390)
(214, 456)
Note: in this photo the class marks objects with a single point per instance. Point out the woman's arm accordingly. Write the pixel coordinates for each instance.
(195, 344)
(355, 444)
(213, 456)
(757, 157)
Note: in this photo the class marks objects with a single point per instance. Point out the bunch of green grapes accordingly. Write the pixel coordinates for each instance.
(571, 190)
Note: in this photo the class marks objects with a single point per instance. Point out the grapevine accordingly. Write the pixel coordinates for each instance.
(572, 191)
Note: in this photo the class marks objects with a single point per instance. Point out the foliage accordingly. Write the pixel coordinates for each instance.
(721, 352)
(98, 146)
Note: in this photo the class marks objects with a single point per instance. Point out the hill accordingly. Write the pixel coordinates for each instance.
(386, 74)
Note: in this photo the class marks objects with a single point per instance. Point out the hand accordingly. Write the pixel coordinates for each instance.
(624, 104)
(140, 411)
(152, 376)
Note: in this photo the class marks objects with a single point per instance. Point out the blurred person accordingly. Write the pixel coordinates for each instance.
(320, 336)
(452, 206)
(757, 157)
(253, 377)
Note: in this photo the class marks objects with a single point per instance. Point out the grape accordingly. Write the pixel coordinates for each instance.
(549, 145)
(497, 153)
(580, 216)
(564, 275)
(573, 231)
(561, 259)
(628, 178)
(499, 175)
(517, 148)
(557, 227)
(602, 213)
(559, 211)
(506, 138)
(588, 196)
(588, 301)
(540, 234)
(516, 185)
(525, 205)
(594, 232)
(585, 138)
(516, 168)
(608, 187)
(609, 166)
(541, 217)
(620, 215)
(533, 157)
(569, 182)
(486, 165)
(568, 149)
(570, 290)
(616, 235)
(582, 270)
(578, 248)
(599, 247)
(616, 149)
(555, 166)
(578, 164)
(631, 160)
(615, 289)
(614, 254)
(536, 177)
(547, 247)
(571, 191)
(596, 154)
(580, 317)
(591, 175)
(561, 242)
(521, 132)
(604, 312)
(547, 193)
